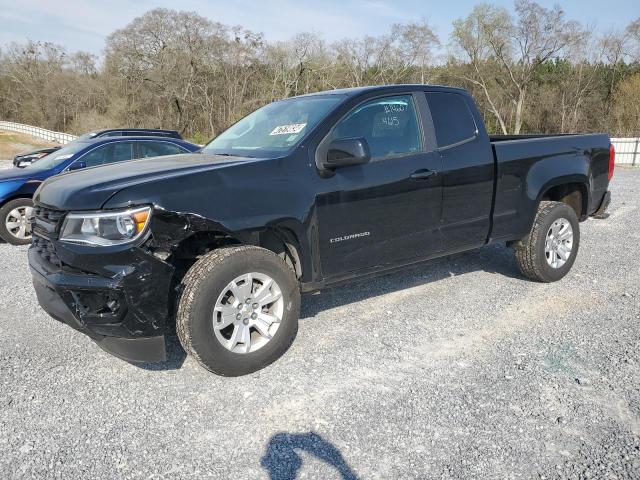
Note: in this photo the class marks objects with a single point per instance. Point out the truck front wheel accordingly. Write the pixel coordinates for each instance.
(239, 310)
(547, 253)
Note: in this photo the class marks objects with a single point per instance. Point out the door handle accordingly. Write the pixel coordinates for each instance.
(422, 174)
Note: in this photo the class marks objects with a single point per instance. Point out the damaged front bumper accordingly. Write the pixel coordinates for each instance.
(118, 297)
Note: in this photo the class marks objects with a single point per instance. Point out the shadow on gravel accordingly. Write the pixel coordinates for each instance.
(282, 462)
(175, 357)
(493, 259)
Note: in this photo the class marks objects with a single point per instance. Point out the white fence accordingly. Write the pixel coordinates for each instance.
(58, 137)
(627, 151)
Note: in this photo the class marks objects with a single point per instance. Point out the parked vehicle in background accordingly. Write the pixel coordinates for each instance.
(302, 194)
(25, 159)
(131, 132)
(17, 186)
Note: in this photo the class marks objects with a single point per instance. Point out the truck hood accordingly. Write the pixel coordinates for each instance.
(89, 189)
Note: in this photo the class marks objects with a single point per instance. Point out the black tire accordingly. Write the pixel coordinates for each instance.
(205, 281)
(530, 251)
(5, 234)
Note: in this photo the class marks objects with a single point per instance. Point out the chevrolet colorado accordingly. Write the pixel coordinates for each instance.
(302, 194)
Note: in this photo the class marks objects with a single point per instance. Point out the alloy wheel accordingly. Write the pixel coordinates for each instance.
(18, 222)
(558, 243)
(248, 312)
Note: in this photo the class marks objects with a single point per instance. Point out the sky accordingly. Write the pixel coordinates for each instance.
(84, 25)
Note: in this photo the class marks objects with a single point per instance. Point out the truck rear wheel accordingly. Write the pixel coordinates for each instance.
(239, 310)
(547, 253)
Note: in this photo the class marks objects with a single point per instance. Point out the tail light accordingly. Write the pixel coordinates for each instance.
(612, 160)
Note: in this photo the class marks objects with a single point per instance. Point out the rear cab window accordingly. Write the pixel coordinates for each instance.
(452, 118)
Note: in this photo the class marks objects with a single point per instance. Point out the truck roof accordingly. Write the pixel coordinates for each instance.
(352, 92)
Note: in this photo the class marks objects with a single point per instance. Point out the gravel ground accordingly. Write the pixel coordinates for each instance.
(458, 368)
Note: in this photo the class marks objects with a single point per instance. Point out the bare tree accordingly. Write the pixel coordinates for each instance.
(299, 65)
(632, 43)
(517, 47)
(356, 57)
(532, 71)
(414, 43)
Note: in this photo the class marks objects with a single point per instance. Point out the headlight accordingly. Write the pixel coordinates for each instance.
(105, 228)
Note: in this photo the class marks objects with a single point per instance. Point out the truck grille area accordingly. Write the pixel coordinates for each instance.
(48, 214)
(45, 249)
(46, 221)
(45, 225)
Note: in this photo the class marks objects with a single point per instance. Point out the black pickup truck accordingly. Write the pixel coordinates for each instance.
(301, 194)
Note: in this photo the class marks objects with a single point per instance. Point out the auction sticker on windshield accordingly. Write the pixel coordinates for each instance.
(288, 129)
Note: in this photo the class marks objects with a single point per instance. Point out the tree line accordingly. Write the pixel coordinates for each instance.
(533, 71)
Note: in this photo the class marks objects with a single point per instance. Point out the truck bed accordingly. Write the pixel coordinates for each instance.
(505, 138)
(526, 163)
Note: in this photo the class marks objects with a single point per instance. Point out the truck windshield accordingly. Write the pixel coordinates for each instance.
(275, 129)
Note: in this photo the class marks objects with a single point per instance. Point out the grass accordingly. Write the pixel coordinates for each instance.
(12, 143)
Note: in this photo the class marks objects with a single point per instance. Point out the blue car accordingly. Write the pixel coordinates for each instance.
(17, 186)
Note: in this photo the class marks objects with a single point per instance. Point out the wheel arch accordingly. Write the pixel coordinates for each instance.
(184, 254)
(283, 242)
(571, 191)
(279, 240)
(556, 176)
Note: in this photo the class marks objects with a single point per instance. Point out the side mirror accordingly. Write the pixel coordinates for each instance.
(77, 165)
(347, 151)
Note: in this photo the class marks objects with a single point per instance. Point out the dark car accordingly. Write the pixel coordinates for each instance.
(28, 158)
(302, 194)
(17, 186)
(24, 159)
